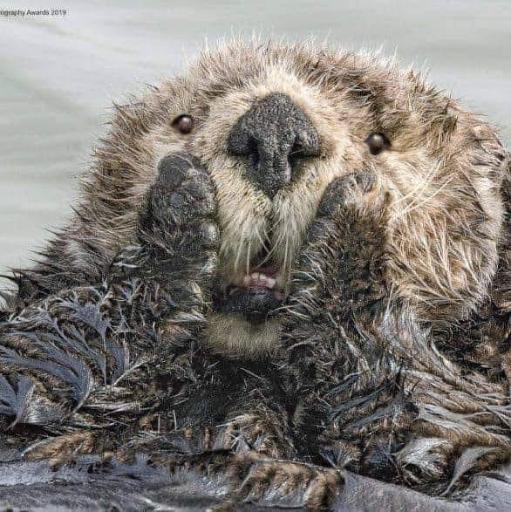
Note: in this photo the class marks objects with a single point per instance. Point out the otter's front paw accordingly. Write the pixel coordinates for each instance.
(342, 260)
(178, 219)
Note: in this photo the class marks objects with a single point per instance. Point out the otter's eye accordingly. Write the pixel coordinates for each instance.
(183, 123)
(377, 143)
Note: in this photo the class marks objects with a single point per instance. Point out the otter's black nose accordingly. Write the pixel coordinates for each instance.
(275, 135)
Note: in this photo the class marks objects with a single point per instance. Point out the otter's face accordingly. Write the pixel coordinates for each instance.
(282, 144)
(275, 125)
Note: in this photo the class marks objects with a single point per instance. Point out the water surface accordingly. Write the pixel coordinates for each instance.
(58, 76)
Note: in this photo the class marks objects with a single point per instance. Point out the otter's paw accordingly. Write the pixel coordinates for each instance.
(281, 483)
(342, 260)
(178, 219)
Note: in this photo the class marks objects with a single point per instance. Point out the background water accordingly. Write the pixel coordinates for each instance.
(59, 75)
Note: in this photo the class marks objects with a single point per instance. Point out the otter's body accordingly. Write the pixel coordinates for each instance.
(287, 253)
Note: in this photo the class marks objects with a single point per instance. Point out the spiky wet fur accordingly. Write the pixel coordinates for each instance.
(390, 356)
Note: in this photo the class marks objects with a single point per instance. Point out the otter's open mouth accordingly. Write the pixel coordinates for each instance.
(255, 295)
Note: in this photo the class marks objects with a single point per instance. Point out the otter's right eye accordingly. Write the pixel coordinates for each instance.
(377, 143)
(183, 123)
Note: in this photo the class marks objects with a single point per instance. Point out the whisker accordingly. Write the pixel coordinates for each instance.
(417, 191)
(248, 258)
(411, 208)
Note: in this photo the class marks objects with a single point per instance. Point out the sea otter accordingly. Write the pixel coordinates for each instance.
(288, 262)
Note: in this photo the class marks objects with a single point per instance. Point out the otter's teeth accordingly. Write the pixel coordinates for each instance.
(259, 279)
(270, 282)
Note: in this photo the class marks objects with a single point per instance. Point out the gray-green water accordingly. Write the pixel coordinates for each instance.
(58, 75)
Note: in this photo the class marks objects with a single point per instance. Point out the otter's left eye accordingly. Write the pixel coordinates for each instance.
(377, 143)
(183, 123)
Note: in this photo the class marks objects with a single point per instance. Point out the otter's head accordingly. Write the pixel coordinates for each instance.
(275, 124)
